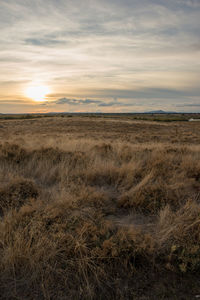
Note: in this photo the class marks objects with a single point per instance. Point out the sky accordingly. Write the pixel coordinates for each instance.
(99, 55)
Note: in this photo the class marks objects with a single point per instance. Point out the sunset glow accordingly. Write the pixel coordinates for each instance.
(99, 56)
(37, 93)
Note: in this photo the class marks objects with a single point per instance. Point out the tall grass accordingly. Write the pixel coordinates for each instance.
(62, 206)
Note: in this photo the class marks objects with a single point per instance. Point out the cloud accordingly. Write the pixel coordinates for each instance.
(98, 103)
(111, 104)
(88, 102)
(189, 105)
(43, 42)
(189, 3)
(143, 93)
(72, 101)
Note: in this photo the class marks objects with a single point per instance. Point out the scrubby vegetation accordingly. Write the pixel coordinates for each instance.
(89, 211)
(158, 117)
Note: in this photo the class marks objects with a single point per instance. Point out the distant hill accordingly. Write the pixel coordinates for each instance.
(160, 112)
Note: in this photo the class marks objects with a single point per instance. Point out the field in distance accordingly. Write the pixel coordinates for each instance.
(99, 207)
(159, 116)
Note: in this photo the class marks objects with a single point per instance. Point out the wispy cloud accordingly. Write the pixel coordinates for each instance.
(73, 101)
(46, 42)
(80, 102)
(189, 104)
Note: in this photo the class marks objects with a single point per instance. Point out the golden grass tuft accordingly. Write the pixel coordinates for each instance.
(16, 194)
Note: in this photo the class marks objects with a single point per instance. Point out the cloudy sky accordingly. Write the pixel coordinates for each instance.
(99, 55)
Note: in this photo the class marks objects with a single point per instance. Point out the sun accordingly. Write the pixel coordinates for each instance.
(37, 92)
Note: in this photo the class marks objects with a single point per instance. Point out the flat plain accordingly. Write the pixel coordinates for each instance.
(99, 208)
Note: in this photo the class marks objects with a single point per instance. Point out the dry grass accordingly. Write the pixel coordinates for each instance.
(99, 209)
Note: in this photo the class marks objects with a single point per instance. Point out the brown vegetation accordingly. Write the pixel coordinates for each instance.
(99, 209)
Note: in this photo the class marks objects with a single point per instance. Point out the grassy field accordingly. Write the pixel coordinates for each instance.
(158, 117)
(99, 208)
